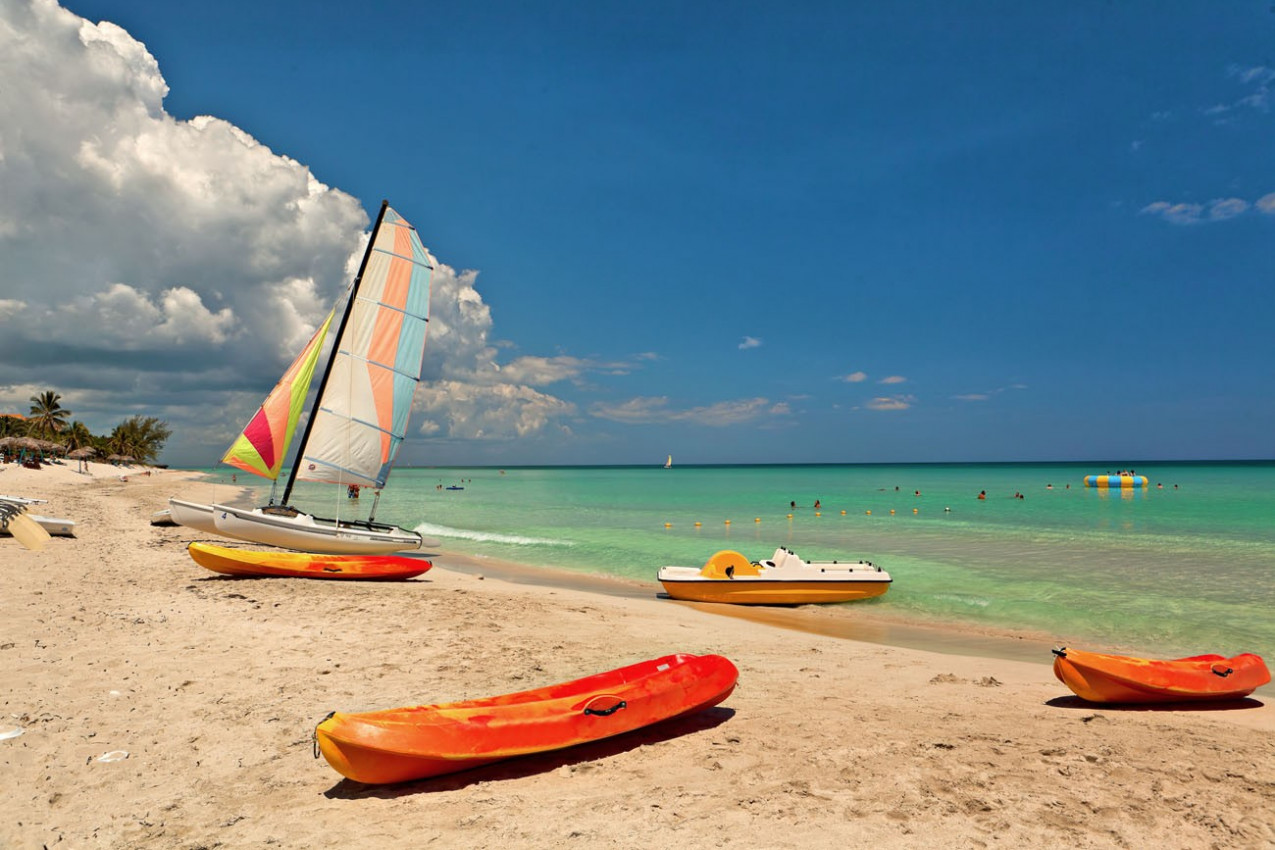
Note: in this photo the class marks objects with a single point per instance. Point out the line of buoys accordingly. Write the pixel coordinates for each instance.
(757, 520)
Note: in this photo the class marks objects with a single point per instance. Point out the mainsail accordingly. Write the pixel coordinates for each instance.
(260, 449)
(360, 418)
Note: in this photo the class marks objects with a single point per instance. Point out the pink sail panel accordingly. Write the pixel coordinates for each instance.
(361, 419)
(260, 449)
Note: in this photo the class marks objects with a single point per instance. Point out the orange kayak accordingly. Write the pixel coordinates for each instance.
(402, 744)
(253, 562)
(1118, 678)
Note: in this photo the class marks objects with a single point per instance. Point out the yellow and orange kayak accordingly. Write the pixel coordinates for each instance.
(1117, 678)
(253, 562)
(402, 744)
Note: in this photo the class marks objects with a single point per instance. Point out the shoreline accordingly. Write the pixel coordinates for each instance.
(943, 638)
(150, 703)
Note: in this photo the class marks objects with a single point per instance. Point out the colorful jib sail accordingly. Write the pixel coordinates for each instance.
(260, 449)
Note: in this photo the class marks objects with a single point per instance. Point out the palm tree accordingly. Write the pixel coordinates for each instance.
(47, 416)
(140, 437)
(77, 436)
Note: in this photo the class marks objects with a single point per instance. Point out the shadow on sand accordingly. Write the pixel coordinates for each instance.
(1241, 704)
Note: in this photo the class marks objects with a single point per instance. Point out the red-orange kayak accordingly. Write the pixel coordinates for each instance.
(253, 562)
(402, 744)
(1117, 678)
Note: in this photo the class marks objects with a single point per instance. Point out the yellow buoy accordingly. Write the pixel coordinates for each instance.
(756, 519)
(697, 525)
(869, 513)
(914, 510)
(790, 516)
(727, 522)
(891, 511)
(843, 513)
(668, 525)
(817, 513)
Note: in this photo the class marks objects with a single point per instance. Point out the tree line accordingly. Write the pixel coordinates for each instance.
(140, 437)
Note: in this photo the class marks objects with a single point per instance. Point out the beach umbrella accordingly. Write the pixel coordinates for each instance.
(82, 453)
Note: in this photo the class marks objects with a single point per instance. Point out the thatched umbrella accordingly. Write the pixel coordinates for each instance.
(80, 455)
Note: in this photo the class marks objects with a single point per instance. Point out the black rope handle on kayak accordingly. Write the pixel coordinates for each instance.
(314, 738)
(1061, 652)
(604, 712)
(1223, 673)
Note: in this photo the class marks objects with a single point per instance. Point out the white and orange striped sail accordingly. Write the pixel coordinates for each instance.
(361, 415)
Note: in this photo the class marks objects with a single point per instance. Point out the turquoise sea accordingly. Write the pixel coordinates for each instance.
(1185, 566)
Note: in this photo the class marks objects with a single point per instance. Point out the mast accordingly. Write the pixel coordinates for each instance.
(336, 340)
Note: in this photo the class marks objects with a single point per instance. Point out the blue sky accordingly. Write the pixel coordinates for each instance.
(745, 232)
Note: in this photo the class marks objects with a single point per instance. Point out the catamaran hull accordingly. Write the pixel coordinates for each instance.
(192, 515)
(249, 562)
(403, 744)
(306, 533)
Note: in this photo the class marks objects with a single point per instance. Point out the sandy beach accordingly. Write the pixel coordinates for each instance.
(160, 705)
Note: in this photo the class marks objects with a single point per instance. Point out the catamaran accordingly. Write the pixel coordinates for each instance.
(359, 417)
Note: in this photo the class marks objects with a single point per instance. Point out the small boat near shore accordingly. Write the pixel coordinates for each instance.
(784, 579)
(1098, 677)
(402, 744)
(15, 522)
(55, 526)
(253, 562)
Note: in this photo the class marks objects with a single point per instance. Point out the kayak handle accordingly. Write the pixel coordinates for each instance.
(604, 712)
(1061, 652)
(1223, 673)
(314, 739)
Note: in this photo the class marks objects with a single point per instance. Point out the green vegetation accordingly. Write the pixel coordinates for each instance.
(138, 438)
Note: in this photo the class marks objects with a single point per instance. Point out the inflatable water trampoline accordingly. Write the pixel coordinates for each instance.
(1123, 482)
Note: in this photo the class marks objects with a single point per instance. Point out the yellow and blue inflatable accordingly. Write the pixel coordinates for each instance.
(1123, 482)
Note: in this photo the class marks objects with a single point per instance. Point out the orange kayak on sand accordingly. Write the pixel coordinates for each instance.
(253, 562)
(1117, 678)
(402, 744)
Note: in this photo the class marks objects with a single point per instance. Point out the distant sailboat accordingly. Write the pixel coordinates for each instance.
(668, 464)
(359, 417)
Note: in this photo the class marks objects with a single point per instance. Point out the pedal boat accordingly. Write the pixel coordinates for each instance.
(402, 744)
(253, 562)
(1097, 677)
(784, 579)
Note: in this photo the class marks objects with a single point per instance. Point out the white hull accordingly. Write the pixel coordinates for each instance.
(192, 515)
(305, 533)
(164, 517)
(55, 526)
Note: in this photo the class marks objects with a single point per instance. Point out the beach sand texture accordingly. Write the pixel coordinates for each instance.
(116, 642)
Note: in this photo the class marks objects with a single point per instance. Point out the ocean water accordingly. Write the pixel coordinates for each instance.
(1185, 566)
